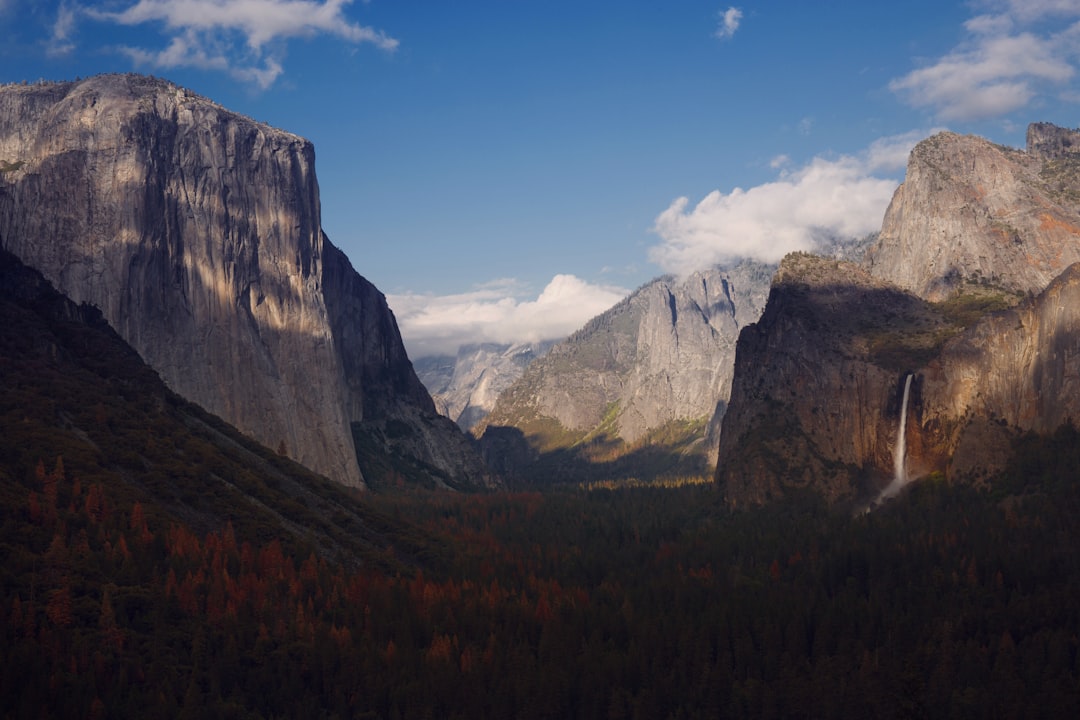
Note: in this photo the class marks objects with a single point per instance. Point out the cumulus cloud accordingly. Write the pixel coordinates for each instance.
(825, 199)
(440, 324)
(1007, 59)
(729, 23)
(241, 37)
(1029, 10)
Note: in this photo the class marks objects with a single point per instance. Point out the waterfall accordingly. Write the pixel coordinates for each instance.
(900, 451)
(900, 454)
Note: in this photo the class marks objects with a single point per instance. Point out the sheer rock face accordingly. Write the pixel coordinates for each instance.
(663, 354)
(810, 401)
(1018, 369)
(816, 400)
(969, 209)
(465, 387)
(817, 395)
(196, 231)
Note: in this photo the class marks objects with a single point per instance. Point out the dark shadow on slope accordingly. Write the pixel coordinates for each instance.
(817, 382)
(71, 388)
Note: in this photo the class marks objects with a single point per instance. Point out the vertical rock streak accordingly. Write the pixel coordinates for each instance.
(196, 231)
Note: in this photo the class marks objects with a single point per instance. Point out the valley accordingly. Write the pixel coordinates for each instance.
(843, 485)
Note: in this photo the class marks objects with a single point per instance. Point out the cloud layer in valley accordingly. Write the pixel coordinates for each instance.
(843, 197)
(244, 38)
(438, 325)
(1016, 51)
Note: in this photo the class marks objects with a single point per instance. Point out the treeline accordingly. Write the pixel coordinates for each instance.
(155, 563)
(634, 603)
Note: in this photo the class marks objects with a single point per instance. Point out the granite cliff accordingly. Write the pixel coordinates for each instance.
(972, 210)
(655, 368)
(985, 321)
(197, 233)
(465, 386)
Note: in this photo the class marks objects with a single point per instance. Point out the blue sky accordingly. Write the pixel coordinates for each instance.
(506, 169)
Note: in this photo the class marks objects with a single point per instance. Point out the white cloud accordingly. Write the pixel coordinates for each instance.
(729, 23)
(826, 198)
(990, 25)
(1030, 10)
(1002, 65)
(779, 161)
(60, 43)
(260, 21)
(241, 37)
(436, 325)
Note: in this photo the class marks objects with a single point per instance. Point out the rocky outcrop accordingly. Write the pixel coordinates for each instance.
(972, 210)
(197, 233)
(1017, 370)
(992, 342)
(466, 386)
(816, 400)
(390, 410)
(661, 356)
(1050, 143)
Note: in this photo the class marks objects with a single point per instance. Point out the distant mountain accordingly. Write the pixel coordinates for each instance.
(197, 233)
(466, 386)
(969, 292)
(647, 376)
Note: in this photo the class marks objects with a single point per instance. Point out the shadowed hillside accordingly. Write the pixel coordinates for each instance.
(157, 564)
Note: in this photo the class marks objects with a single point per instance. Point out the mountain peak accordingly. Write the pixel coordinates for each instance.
(972, 211)
(958, 333)
(1050, 142)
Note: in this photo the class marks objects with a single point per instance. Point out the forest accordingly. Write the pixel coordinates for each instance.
(156, 563)
(628, 603)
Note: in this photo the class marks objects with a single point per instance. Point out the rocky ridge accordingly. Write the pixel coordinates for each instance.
(466, 386)
(817, 395)
(972, 210)
(661, 356)
(197, 233)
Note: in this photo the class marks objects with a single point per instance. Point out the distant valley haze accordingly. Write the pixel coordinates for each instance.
(504, 172)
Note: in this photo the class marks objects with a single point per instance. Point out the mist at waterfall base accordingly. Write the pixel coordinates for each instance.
(900, 477)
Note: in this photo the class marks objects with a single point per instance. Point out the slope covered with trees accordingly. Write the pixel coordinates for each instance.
(158, 564)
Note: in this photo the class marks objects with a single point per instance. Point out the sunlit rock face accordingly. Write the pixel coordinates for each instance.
(819, 384)
(197, 232)
(1018, 369)
(992, 344)
(969, 209)
(465, 387)
(661, 356)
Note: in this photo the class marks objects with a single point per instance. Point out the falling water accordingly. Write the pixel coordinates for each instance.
(899, 471)
(900, 451)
